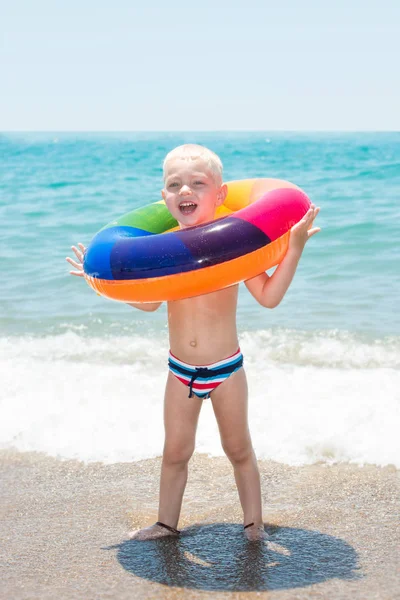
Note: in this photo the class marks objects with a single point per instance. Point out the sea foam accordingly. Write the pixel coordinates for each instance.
(313, 396)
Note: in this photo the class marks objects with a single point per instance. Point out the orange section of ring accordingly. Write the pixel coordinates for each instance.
(194, 283)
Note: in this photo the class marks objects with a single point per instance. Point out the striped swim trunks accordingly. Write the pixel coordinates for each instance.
(202, 380)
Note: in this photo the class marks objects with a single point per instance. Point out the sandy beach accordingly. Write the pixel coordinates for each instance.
(334, 532)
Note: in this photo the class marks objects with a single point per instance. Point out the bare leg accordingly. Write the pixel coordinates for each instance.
(230, 407)
(181, 415)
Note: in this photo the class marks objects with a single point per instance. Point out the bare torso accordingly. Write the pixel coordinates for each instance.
(202, 330)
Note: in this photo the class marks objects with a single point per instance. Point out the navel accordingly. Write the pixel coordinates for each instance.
(193, 343)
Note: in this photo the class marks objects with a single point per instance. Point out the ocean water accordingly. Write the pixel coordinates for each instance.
(83, 377)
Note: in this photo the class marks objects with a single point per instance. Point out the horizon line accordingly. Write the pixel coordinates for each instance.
(2, 131)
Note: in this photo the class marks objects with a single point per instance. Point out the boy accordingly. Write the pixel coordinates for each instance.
(193, 188)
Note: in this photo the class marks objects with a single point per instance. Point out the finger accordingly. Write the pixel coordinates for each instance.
(311, 222)
(309, 213)
(78, 253)
(73, 263)
(312, 232)
(77, 273)
(82, 247)
(307, 220)
(312, 213)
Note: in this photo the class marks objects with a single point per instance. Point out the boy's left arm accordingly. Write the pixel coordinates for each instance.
(269, 291)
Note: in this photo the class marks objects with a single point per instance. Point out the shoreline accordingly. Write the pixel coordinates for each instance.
(333, 532)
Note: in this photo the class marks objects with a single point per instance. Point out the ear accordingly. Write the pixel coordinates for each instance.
(222, 194)
(163, 194)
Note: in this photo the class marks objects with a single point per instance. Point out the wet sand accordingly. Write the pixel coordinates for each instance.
(334, 532)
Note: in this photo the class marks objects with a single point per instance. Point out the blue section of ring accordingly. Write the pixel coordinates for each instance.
(97, 256)
(141, 258)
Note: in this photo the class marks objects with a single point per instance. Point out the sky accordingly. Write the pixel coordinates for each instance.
(134, 65)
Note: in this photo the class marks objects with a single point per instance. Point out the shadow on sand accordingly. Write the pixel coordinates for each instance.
(218, 558)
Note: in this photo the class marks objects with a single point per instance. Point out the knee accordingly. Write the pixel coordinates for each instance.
(238, 453)
(177, 454)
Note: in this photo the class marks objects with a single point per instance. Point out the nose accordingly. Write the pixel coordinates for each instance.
(185, 190)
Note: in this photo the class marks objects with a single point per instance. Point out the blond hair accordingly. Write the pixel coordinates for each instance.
(194, 152)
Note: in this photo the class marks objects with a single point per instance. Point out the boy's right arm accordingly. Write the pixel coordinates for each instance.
(79, 253)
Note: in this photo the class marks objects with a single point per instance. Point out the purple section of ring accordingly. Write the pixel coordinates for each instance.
(185, 250)
(223, 239)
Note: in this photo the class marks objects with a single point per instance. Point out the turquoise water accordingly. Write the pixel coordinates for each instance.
(83, 377)
(58, 189)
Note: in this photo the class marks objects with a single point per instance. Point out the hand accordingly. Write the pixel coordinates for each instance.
(78, 265)
(303, 230)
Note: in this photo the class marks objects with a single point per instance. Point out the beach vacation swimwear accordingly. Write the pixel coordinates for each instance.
(202, 380)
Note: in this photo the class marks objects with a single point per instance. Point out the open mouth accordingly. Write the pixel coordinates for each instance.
(187, 207)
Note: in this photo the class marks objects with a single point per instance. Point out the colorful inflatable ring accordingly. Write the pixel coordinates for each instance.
(145, 257)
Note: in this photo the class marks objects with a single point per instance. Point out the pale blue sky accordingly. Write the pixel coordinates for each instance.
(205, 65)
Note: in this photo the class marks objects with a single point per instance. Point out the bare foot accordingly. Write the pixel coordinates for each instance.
(150, 533)
(256, 533)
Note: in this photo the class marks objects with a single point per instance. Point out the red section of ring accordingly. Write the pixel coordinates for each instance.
(276, 212)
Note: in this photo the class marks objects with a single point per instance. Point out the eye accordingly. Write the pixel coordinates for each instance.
(199, 183)
(173, 184)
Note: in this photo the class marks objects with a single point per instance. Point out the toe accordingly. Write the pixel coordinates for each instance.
(132, 534)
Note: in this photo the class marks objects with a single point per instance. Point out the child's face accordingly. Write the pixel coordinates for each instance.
(191, 192)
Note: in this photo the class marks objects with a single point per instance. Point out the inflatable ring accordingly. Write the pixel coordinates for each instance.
(145, 257)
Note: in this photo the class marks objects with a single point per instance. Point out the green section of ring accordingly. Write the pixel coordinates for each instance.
(154, 218)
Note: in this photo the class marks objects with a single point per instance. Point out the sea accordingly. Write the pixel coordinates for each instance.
(82, 377)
